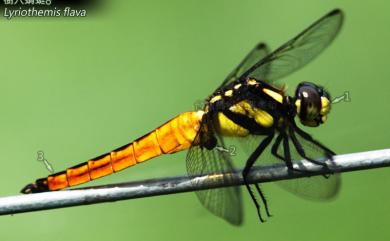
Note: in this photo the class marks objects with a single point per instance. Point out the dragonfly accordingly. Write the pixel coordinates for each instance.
(251, 107)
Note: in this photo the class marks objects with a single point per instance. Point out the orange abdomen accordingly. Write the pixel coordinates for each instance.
(175, 135)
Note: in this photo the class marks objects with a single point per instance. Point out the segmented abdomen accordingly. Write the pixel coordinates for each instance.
(173, 136)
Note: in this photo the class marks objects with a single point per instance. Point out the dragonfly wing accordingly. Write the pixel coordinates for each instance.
(299, 51)
(255, 55)
(316, 188)
(223, 202)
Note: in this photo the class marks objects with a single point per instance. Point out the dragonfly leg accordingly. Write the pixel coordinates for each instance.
(302, 153)
(287, 159)
(254, 200)
(329, 153)
(249, 164)
(275, 146)
(263, 199)
(287, 155)
(286, 150)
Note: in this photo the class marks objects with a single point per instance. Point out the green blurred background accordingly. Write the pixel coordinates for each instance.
(76, 88)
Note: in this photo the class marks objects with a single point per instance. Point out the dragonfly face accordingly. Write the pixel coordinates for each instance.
(312, 104)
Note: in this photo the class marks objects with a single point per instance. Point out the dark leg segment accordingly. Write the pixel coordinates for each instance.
(307, 137)
(249, 164)
(301, 152)
(263, 199)
(275, 146)
(287, 154)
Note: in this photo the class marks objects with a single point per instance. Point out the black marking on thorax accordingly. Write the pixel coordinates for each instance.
(250, 91)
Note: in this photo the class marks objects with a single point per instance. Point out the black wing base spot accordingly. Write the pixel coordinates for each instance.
(223, 202)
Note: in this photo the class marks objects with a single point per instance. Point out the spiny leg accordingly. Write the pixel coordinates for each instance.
(287, 153)
(328, 153)
(275, 146)
(307, 137)
(262, 196)
(263, 199)
(249, 164)
(254, 200)
(301, 152)
(286, 150)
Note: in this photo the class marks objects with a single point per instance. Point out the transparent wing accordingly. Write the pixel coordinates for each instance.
(223, 202)
(255, 55)
(298, 51)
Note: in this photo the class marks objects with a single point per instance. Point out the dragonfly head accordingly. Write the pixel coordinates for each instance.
(312, 104)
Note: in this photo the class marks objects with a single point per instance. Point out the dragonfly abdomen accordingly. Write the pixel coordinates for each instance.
(175, 135)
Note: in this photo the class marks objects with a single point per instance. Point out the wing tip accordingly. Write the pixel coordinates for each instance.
(261, 45)
(336, 11)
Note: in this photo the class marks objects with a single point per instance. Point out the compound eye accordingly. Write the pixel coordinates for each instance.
(311, 102)
(308, 104)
